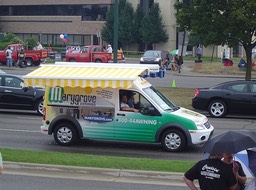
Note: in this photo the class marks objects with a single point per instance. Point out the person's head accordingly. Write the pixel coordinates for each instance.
(228, 158)
(9, 47)
(38, 43)
(215, 156)
(109, 45)
(124, 99)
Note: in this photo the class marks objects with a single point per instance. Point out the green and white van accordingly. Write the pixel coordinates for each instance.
(83, 101)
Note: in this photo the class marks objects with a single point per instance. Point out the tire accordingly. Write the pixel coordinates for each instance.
(40, 107)
(72, 60)
(98, 61)
(217, 108)
(173, 140)
(29, 62)
(65, 134)
(23, 64)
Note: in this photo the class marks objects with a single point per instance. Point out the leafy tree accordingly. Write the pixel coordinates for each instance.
(10, 39)
(138, 16)
(152, 28)
(125, 24)
(222, 22)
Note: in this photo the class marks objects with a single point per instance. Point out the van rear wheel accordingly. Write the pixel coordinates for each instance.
(65, 134)
(173, 140)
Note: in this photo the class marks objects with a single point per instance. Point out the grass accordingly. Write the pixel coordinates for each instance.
(86, 160)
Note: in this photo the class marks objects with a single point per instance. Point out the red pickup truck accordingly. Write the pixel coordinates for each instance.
(33, 57)
(93, 54)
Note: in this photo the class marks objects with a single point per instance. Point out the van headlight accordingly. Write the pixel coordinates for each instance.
(199, 125)
(157, 59)
(141, 59)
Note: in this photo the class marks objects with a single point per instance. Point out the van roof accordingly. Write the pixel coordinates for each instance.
(84, 75)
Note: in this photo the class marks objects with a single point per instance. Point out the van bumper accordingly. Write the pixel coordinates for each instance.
(201, 136)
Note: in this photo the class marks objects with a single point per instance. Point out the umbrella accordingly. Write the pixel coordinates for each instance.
(231, 142)
(252, 160)
(174, 52)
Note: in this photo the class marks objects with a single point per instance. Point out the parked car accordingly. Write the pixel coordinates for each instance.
(153, 57)
(234, 97)
(13, 94)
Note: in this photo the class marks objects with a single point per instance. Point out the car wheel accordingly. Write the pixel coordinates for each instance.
(217, 108)
(72, 60)
(98, 61)
(29, 62)
(40, 107)
(65, 134)
(173, 140)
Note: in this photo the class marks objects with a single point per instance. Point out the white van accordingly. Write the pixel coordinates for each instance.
(83, 101)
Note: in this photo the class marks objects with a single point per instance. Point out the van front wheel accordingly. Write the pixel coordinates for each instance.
(65, 134)
(173, 141)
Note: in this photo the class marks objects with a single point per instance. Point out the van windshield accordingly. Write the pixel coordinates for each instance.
(160, 99)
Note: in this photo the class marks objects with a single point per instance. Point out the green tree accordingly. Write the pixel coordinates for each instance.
(125, 24)
(220, 22)
(152, 28)
(138, 16)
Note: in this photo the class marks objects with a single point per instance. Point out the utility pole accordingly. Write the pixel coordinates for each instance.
(115, 30)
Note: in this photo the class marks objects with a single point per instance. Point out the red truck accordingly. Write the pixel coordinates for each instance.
(32, 57)
(93, 54)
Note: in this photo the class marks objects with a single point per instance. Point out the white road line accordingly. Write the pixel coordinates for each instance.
(18, 130)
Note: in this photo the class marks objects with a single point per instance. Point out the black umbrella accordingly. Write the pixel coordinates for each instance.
(231, 142)
(252, 160)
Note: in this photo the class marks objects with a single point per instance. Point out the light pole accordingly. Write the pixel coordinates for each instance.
(115, 30)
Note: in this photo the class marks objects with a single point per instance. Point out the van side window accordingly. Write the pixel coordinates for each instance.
(135, 101)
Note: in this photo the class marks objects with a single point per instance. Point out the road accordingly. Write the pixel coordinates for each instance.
(22, 131)
(27, 182)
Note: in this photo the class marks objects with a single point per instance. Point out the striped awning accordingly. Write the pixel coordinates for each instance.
(73, 76)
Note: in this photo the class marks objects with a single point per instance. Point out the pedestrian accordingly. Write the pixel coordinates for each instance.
(21, 56)
(212, 174)
(8, 54)
(199, 52)
(109, 49)
(39, 46)
(237, 169)
(1, 164)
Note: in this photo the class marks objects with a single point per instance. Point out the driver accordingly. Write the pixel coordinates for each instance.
(124, 106)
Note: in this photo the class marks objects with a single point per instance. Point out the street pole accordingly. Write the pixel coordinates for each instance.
(115, 30)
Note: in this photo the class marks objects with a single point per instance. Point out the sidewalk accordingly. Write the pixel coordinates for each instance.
(101, 174)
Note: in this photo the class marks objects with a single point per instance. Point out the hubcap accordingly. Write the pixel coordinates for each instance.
(172, 141)
(64, 135)
(217, 109)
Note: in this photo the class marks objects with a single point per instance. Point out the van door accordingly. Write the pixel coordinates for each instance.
(137, 126)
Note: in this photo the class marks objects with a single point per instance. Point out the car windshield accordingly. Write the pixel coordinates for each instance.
(160, 99)
(152, 54)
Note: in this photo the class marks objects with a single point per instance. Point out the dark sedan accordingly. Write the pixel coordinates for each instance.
(153, 57)
(13, 94)
(234, 97)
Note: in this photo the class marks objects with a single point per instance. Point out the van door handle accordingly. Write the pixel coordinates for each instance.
(7, 91)
(120, 114)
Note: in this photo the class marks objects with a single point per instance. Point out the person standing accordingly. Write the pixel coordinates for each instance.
(212, 174)
(237, 169)
(199, 52)
(109, 49)
(9, 57)
(39, 46)
(21, 56)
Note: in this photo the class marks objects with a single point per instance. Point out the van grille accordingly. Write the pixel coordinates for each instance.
(207, 125)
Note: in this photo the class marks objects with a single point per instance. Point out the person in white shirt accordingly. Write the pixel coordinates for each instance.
(9, 57)
(125, 106)
(39, 46)
(109, 49)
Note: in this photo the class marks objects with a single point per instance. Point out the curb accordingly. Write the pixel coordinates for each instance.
(89, 173)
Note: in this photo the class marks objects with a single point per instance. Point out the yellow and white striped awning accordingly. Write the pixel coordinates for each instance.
(73, 76)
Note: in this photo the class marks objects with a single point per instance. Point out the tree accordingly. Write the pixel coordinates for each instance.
(138, 16)
(125, 24)
(152, 28)
(220, 22)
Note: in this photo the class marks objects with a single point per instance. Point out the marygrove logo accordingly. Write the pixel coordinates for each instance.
(56, 94)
